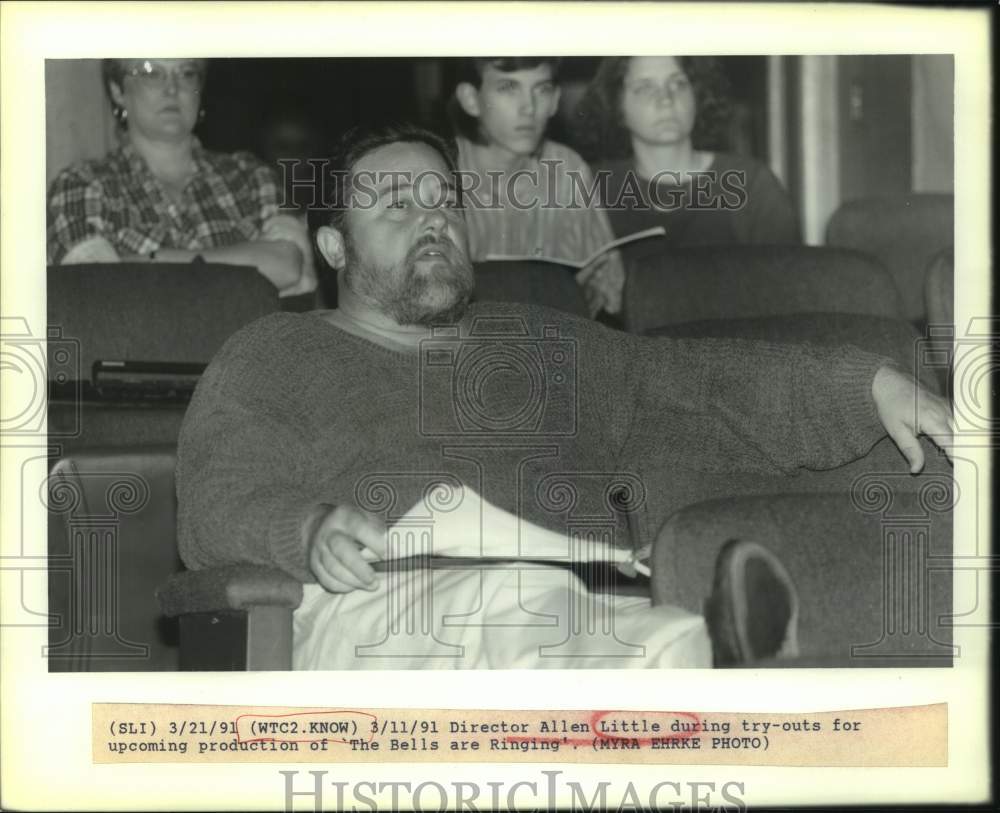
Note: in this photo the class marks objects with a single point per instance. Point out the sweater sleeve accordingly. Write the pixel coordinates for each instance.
(243, 494)
(239, 497)
(736, 405)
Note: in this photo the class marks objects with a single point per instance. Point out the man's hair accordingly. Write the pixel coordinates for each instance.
(599, 129)
(354, 145)
(471, 70)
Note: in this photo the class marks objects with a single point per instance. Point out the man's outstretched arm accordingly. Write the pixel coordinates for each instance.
(730, 405)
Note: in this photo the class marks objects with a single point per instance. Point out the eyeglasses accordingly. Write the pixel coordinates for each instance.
(153, 76)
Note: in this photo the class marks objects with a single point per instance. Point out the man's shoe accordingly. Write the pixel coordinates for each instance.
(753, 612)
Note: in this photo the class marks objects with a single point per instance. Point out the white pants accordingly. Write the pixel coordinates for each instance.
(491, 618)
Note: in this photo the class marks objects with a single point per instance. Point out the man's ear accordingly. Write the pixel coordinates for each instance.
(331, 245)
(468, 99)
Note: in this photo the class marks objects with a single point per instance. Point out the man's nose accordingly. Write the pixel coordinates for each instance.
(435, 220)
(527, 104)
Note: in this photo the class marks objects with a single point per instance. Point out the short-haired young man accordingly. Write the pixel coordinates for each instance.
(529, 195)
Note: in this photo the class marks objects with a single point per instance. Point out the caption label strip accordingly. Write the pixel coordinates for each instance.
(910, 736)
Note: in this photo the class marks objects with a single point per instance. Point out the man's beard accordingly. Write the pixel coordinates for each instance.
(402, 293)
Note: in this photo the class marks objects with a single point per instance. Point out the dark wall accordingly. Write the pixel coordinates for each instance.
(876, 112)
(244, 97)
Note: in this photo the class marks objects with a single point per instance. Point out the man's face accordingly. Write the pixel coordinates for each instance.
(405, 249)
(513, 108)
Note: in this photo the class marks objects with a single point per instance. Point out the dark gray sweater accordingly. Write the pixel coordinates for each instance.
(294, 411)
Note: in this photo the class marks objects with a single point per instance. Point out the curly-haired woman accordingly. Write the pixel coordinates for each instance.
(651, 126)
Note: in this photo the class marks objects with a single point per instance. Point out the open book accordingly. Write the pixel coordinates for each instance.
(655, 231)
(478, 530)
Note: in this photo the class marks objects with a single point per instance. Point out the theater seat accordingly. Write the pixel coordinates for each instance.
(903, 233)
(539, 283)
(140, 312)
(121, 600)
(689, 284)
(154, 311)
(939, 289)
(112, 542)
(872, 567)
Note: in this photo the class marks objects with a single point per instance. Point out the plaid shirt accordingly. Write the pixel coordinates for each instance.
(117, 197)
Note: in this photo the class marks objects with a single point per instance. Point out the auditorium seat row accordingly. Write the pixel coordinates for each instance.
(240, 617)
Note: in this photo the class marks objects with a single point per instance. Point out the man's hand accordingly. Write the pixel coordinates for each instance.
(336, 537)
(905, 414)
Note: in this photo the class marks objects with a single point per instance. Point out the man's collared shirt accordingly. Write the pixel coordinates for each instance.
(541, 209)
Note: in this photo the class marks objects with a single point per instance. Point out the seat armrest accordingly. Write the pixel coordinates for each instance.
(234, 587)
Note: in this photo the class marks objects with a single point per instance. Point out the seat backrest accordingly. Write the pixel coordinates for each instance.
(112, 542)
(939, 289)
(688, 485)
(902, 232)
(872, 569)
(893, 338)
(140, 312)
(686, 284)
(154, 311)
(533, 282)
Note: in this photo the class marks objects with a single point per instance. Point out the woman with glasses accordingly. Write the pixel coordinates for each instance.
(651, 126)
(162, 197)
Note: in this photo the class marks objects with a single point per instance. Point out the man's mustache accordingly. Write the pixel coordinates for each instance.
(442, 243)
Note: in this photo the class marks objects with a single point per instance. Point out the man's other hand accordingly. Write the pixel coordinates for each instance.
(907, 410)
(337, 536)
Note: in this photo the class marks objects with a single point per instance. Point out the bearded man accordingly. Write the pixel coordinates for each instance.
(301, 418)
